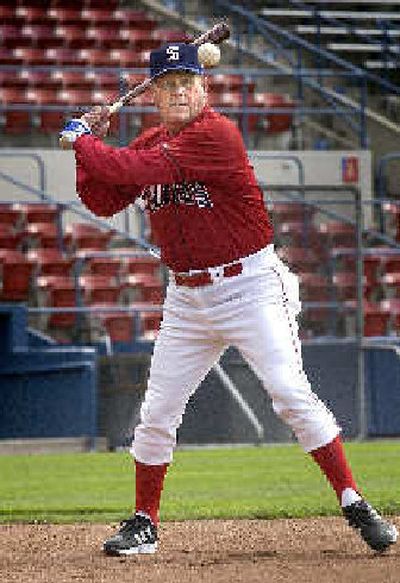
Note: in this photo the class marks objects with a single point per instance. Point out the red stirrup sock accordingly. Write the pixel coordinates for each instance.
(331, 458)
(149, 485)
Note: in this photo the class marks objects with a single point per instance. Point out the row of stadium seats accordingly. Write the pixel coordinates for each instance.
(290, 216)
(56, 13)
(48, 266)
(88, 79)
(37, 270)
(39, 36)
(21, 121)
(380, 319)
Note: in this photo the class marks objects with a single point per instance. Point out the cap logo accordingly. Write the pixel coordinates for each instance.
(173, 53)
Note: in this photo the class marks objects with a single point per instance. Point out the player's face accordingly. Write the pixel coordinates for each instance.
(179, 98)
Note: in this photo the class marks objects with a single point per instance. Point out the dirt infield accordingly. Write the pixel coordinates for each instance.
(320, 550)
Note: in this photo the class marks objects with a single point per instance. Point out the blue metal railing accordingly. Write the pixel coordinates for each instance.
(351, 27)
(354, 114)
(246, 24)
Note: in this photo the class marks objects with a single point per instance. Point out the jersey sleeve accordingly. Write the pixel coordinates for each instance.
(124, 166)
(102, 199)
(105, 199)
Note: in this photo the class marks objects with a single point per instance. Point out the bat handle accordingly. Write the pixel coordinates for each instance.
(116, 106)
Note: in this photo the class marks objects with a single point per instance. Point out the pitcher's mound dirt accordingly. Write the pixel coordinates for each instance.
(302, 551)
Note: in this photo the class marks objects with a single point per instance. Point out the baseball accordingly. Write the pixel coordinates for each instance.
(209, 55)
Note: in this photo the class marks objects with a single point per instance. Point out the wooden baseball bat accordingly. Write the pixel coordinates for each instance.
(217, 34)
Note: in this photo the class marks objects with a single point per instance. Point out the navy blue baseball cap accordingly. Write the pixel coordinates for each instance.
(175, 57)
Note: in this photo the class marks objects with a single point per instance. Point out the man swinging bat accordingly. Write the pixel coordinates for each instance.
(227, 285)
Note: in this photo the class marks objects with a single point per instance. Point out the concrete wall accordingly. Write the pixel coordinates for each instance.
(319, 168)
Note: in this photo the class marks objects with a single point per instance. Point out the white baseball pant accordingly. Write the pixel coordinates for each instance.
(254, 311)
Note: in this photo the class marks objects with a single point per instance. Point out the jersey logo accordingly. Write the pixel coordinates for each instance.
(156, 196)
(172, 52)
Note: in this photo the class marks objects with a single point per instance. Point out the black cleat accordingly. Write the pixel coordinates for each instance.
(377, 532)
(137, 535)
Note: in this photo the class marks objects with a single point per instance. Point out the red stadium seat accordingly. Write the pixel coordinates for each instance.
(8, 57)
(135, 19)
(107, 81)
(41, 36)
(392, 307)
(376, 321)
(46, 235)
(391, 215)
(143, 265)
(13, 95)
(16, 276)
(7, 14)
(39, 79)
(97, 57)
(296, 234)
(150, 323)
(75, 97)
(142, 287)
(371, 263)
(338, 234)
(9, 239)
(13, 79)
(390, 283)
(11, 215)
(50, 262)
(86, 236)
(74, 36)
(345, 285)
(126, 58)
(51, 121)
(108, 266)
(284, 211)
(376, 318)
(42, 96)
(106, 37)
(140, 40)
(99, 289)
(119, 326)
(100, 97)
(32, 55)
(391, 263)
(17, 122)
(168, 35)
(66, 15)
(65, 56)
(39, 213)
(32, 14)
(314, 287)
(152, 291)
(101, 16)
(274, 123)
(300, 259)
(60, 293)
(12, 36)
(73, 79)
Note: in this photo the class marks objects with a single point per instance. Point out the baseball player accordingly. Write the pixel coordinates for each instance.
(227, 285)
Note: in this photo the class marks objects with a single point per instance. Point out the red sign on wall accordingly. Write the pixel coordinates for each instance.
(350, 169)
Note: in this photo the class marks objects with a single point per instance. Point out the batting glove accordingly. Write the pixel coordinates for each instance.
(73, 129)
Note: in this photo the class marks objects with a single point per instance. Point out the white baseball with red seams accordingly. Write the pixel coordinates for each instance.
(209, 55)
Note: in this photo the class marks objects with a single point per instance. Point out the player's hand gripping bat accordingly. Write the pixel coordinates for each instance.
(216, 35)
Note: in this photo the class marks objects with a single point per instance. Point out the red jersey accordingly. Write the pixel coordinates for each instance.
(205, 205)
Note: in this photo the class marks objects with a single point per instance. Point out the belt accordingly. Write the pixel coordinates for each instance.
(208, 276)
